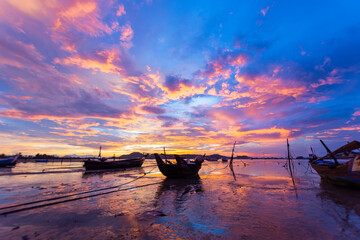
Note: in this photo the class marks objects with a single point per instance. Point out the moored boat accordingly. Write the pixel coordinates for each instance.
(41, 160)
(347, 173)
(97, 164)
(9, 161)
(180, 169)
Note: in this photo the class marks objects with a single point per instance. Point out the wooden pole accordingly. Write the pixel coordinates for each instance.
(289, 160)
(231, 161)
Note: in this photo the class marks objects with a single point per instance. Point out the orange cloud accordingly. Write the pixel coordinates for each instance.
(106, 61)
(184, 91)
(82, 16)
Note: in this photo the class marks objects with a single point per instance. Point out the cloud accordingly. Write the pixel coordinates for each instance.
(221, 67)
(20, 55)
(34, 8)
(121, 10)
(83, 17)
(126, 36)
(77, 104)
(356, 114)
(174, 83)
(264, 10)
(106, 61)
(153, 109)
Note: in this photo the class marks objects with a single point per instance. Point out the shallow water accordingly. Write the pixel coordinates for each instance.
(261, 204)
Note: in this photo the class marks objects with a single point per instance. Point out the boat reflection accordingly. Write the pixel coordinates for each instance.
(6, 170)
(347, 198)
(176, 192)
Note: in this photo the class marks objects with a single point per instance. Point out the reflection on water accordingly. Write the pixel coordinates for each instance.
(177, 192)
(347, 198)
(260, 204)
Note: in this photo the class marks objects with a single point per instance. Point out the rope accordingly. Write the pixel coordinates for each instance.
(74, 194)
(74, 199)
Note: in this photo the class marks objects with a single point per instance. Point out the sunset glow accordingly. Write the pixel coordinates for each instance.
(191, 76)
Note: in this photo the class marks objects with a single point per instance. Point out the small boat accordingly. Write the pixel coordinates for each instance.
(41, 160)
(97, 164)
(180, 169)
(211, 159)
(9, 161)
(347, 173)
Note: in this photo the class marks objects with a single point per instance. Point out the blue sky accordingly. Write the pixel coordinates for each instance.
(190, 76)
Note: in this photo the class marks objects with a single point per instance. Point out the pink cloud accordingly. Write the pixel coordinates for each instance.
(34, 8)
(356, 114)
(327, 81)
(264, 10)
(82, 16)
(221, 67)
(121, 10)
(126, 35)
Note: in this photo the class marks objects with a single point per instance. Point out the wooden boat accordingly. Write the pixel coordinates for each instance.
(180, 169)
(9, 161)
(211, 159)
(96, 164)
(41, 160)
(347, 173)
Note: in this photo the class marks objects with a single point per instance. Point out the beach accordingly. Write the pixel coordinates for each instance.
(140, 203)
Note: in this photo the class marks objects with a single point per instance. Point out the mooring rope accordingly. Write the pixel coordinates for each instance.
(78, 198)
(75, 194)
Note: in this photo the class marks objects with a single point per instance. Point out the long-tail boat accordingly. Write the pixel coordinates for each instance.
(9, 161)
(347, 173)
(97, 164)
(100, 163)
(180, 169)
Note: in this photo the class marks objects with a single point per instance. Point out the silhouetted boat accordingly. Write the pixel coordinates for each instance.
(211, 159)
(347, 173)
(180, 169)
(41, 160)
(9, 161)
(96, 164)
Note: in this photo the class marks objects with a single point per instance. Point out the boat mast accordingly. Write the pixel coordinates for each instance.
(329, 152)
(166, 157)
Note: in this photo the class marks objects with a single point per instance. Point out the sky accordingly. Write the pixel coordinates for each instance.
(191, 76)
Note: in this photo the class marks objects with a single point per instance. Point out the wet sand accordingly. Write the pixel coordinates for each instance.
(261, 204)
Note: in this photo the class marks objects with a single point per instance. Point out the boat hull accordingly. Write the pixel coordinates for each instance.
(41, 160)
(128, 163)
(179, 170)
(339, 175)
(10, 161)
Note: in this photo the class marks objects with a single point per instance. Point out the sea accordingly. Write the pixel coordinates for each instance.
(261, 200)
